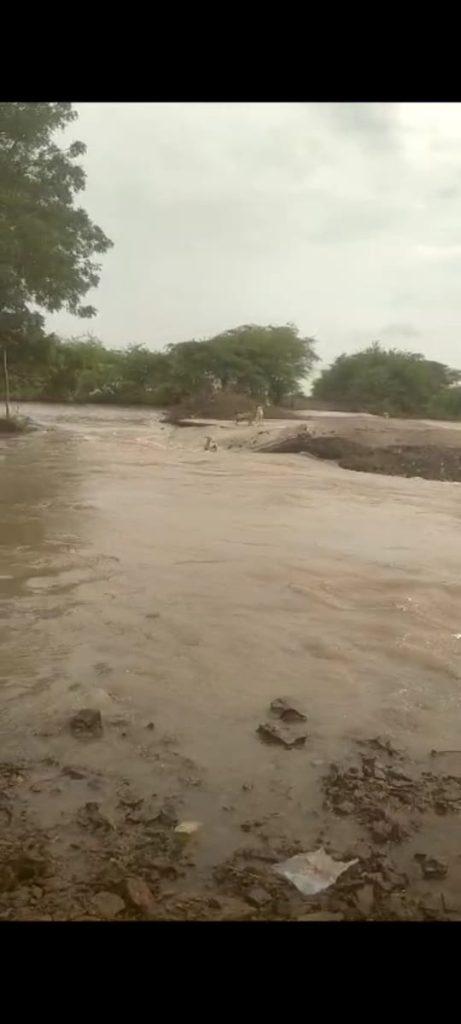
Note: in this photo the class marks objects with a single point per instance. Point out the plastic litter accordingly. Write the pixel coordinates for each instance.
(187, 828)
(312, 872)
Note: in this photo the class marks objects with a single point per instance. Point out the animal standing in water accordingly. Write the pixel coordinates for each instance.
(210, 445)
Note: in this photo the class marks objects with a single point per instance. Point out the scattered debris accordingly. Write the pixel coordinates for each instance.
(187, 828)
(385, 799)
(271, 732)
(312, 872)
(383, 745)
(439, 753)
(287, 710)
(87, 722)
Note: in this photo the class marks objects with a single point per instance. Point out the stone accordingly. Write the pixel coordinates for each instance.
(345, 807)
(258, 897)
(164, 867)
(274, 733)
(91, 816)
(287, 710)
(140, 895)
(73, 773)
(431, 867)
(86, 723)
(107, 904)
(167, 816)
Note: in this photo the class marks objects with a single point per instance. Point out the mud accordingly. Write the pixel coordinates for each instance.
(430, 462)
(178, 594)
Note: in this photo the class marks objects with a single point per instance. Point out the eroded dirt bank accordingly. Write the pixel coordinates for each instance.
(178, 592)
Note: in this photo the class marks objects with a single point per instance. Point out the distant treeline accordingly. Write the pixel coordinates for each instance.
(388, 381)
(257, 363)
(262, 363)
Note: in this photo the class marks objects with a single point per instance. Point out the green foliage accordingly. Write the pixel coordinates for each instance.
(446, 405)
(259, 362)
(47, 244)
(262, 362)
(378, 380)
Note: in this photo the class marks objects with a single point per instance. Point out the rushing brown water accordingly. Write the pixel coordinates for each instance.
(159, 583)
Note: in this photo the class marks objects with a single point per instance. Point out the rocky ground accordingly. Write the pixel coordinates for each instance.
(138, 862)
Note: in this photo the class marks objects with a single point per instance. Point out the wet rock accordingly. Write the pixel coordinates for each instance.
(140, 895)
(86, 723)
(287, 710)
(258, 897)
(345, 807)
(386, 832)
(383, 745)
(167, 816)
(73, 773)
(107, 904)
(274, 733)
(91, 816)
(164, 868)
(431, 867)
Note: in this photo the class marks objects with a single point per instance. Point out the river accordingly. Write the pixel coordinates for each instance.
(184, 590)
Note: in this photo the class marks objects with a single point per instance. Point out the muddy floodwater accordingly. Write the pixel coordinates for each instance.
(179, 592)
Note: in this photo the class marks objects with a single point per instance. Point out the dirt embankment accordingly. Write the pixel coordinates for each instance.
(224, 406)
(393, 448)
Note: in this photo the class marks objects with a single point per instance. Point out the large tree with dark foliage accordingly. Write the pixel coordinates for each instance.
(264, 362)
(47, 242)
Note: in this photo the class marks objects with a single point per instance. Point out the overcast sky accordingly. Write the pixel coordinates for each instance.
(343, 218)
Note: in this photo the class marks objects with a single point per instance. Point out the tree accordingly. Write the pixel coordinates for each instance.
(380, 380)
(47, 244)
(262, 362)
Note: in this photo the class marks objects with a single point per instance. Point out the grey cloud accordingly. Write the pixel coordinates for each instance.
(330, 215)
(371, 124)
(400, 331)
